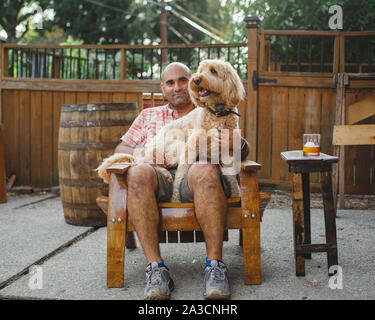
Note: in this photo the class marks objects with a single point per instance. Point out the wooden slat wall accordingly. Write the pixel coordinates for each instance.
(285, 113)
(359, 160)
(31, 127)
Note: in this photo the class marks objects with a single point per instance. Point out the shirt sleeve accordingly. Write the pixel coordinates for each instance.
(136, 135)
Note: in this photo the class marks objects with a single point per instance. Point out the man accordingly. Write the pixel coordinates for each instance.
(203, 184)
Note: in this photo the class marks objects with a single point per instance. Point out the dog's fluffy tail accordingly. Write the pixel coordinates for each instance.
(120, 158)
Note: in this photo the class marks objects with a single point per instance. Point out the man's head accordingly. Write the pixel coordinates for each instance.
(175, 80)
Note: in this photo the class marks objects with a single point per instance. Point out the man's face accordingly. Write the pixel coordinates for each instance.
(175, 86)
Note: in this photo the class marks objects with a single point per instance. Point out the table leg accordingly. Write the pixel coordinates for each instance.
(306, 209)
(298, 223)
(329, 217)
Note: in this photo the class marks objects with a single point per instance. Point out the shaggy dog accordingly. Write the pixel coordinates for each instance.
(216, 90)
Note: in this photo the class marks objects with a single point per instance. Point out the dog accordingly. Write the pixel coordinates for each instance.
(216, 90)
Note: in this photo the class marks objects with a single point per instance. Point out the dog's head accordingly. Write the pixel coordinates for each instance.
(216, 82)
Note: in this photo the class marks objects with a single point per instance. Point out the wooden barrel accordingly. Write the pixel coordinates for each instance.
(88, 134)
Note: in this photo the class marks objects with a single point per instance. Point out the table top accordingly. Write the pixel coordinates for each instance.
(297, 156)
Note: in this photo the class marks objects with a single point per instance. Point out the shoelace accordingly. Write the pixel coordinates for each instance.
(216, 273)
(154, 276)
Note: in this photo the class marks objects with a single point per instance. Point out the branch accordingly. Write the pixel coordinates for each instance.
(24, 17)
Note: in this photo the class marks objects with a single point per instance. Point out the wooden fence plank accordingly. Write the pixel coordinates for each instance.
(24, 141)
(119, 97)
(46, 139)
(312, 117)
(360, 110)
(11, 119)
(296, 118)
(264, 132)
(36, 136)
(82, 97)
(354, 134)
(58, 100)
(279, 134)
(327, 120)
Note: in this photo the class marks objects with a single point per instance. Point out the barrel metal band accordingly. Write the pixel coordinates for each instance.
(85, 146)
(95, 123)
(91, 183)
(81, 206)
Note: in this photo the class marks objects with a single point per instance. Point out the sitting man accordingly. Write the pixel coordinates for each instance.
(204, 185)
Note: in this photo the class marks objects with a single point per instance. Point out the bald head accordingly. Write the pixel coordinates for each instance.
(175, 65)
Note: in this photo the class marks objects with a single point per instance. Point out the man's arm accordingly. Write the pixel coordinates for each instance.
(124, 148)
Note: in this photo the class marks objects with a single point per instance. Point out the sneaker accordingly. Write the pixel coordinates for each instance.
(159, 284)
(216, 284)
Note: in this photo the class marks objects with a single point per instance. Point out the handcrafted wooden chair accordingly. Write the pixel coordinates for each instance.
(244, 213)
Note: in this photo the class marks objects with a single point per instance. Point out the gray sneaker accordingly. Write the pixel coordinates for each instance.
(159, 284)
(216, 284)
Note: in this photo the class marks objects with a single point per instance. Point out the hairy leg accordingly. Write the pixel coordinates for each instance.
(143, 210)
(210, 205)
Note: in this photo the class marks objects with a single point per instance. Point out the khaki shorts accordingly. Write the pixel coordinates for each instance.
(165, 188)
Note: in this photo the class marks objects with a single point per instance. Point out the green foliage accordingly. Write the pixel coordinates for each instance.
(358, 15)
(11, 16)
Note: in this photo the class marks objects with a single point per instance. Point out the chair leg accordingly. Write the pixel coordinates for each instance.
(116, 227)
(250, 227)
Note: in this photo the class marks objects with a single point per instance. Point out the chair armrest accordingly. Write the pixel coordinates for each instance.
(118, 168)
(248, 165)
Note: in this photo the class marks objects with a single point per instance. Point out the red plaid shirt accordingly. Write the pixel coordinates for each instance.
(147, 125)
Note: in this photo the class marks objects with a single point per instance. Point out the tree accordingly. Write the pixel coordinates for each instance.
(12, 15)
(358, 15)
(131, 22)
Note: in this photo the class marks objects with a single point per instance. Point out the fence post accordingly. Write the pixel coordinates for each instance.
(123, 64)
(251, 122)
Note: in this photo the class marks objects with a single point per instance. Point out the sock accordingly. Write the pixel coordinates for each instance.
(161, 264)
(208, 262)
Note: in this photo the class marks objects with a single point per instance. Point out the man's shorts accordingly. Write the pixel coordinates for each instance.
(165, 189)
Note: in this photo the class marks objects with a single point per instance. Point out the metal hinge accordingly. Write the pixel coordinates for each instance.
(256, 80)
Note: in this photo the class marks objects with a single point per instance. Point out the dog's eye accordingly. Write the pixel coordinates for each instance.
(213, 70)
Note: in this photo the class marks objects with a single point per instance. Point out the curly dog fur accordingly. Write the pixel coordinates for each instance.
(215, 82)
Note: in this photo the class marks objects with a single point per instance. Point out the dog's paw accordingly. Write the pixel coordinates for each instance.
(166, 174)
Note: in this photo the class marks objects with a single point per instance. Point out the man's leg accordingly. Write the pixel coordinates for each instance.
(210, 205)
(143, 210)
(142, 181)
(204, 181)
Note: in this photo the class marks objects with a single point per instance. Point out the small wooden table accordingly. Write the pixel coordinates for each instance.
(301, 166)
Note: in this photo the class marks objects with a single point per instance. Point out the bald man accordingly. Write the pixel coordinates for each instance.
(203, 184)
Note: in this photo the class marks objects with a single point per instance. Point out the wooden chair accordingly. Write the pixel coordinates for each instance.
(244, 213)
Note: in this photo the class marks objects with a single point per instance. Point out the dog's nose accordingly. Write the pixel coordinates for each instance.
(197, 81)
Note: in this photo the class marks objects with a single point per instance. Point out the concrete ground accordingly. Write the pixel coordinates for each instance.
(72, 259)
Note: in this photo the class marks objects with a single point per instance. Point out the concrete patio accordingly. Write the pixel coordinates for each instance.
(73, 259)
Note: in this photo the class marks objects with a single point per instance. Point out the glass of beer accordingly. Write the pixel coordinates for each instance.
(311, 144)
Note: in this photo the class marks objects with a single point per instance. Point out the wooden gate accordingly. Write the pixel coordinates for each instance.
(295, 73)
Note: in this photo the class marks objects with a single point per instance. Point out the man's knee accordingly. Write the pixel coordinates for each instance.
(204, 175)
(141, 176)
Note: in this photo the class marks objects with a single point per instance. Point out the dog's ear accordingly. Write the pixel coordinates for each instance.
(235, 91)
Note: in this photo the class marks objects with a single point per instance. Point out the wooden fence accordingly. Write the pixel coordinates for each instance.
(36, 81)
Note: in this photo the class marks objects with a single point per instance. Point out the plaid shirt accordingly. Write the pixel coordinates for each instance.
(147, 125)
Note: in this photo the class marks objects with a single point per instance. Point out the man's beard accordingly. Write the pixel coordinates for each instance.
(181, 101)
